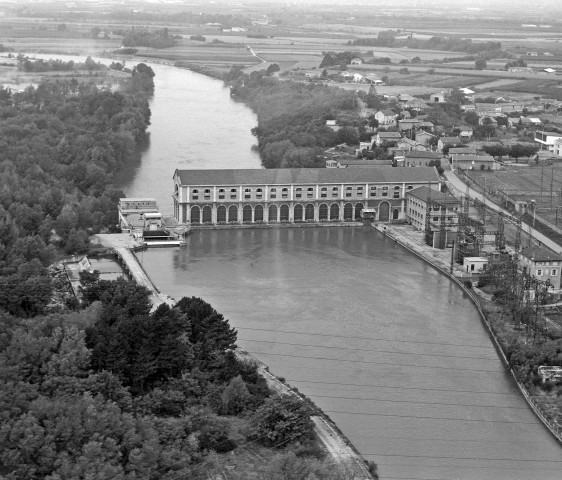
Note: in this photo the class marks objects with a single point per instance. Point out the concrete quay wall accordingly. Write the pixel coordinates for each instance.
(554, 428)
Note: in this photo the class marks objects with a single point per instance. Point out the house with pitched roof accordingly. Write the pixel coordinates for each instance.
(382, 137)
(447, 141)
(466, 131)
(438, 97)
(542, 263)
(386, 117)
(462, 151)
(408, 145)
(474, 162)
(424, 137)
(416, 158)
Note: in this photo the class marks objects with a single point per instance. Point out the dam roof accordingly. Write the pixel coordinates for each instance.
(305, 176)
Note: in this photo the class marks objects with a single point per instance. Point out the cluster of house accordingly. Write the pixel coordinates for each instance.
(344, 76)
(415, 149)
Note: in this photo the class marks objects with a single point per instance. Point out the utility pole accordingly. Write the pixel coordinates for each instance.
(551, 186)
(542, 179)
(452, 258)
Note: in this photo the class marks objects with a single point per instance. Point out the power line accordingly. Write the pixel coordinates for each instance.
(467, 467)
(365, 338)
(367, 362)
(447, 457)
(515, 395)
(458, 440)
(420, 417)
(377, 350)
(418, 402)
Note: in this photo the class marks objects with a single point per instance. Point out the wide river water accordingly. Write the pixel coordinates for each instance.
(393, 351)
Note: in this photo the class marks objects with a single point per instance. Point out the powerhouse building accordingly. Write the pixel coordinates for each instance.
(295, 194)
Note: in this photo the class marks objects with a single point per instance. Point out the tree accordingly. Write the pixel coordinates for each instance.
(496, 150)
(271, 69)
(95, 32)
(502, 121)
(142, 350)
(472, 118)
(517, 63)
(448, 146)
(289, 466)
(347, 135)
(280, 420)
(235, 397)
(484, 131)
(372, 121)
(210, 334)
(437, 164)
(480, 64)
(91, 64)
(519, 150)
(457, 97)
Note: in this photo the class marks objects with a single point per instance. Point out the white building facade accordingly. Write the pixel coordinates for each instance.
(295, 195)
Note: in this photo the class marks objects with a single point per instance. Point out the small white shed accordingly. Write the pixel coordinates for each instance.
(475, 264)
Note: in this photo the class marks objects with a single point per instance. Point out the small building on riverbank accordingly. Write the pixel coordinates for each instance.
(138, 213)
(295, 195)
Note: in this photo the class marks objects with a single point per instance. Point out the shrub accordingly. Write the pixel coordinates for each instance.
(280, 420)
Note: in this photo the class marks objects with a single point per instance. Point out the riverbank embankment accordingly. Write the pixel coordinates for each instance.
(336, 444)
(413, 240)
(123, 246)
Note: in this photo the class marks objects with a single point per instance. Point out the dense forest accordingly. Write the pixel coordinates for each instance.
(292, 116)
(147, 38)
(393, 39)
(114, 391)
(60, 143)
(56, 65)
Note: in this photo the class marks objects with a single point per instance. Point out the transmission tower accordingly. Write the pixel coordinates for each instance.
(517, 245)
(500, 233)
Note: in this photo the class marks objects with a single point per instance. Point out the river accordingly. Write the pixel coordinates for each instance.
(393, 351)
(195, 125)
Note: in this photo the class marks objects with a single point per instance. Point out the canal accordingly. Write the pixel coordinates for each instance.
(391, 350)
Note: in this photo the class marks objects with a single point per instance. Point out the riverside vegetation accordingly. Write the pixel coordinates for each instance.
(522, 329)
(105, 388)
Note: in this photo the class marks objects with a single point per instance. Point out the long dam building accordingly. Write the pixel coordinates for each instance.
(296, 194)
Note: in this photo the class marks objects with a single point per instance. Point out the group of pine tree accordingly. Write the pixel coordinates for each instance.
(107, 387)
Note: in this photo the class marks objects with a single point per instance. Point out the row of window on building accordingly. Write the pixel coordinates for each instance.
(374, 191)
(540, 273)
(277, 214)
